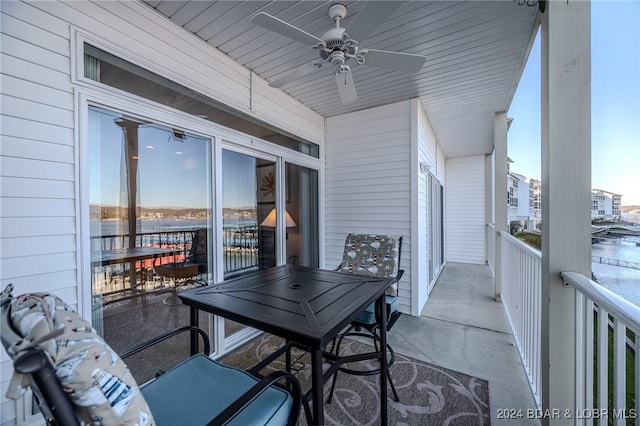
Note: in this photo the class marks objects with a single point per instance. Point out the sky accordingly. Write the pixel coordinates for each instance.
(172, 171)
(615, 103)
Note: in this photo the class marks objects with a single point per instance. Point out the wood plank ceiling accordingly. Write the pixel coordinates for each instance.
(475, 52)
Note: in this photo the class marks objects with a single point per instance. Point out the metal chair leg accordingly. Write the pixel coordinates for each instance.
(333, 386)
(336, 346)
(396, 398)
(375, 338)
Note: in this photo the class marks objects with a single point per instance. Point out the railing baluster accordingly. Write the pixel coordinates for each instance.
(581, 335)
(603, 358)
(619, 370)
(538, 310)
(637, 371)
(589, 312)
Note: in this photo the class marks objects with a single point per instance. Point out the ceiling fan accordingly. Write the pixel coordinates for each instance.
(339, 46)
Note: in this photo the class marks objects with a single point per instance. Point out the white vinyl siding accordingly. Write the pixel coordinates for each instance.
(464, 204)
(37, 162)
(368, 181)
(142, 36)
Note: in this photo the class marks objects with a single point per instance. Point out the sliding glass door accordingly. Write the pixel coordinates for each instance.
(150, 223)
(435, 228)
(250, 217)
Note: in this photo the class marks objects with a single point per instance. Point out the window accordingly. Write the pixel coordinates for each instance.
(116, 72)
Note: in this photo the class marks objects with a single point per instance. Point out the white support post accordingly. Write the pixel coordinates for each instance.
(489, 203)
(566, 193)
(500, 192)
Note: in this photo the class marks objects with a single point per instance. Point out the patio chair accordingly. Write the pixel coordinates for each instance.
(378, 256)
(186, 271)
(53, 355)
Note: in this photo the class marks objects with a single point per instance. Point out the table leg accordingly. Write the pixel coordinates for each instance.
(317, 393)
(382, 308)
(194, 321)
(132, 276)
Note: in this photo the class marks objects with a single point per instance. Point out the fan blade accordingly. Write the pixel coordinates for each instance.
(346, 87)
(395, 60)
(296, 73)
(283, 28)
(370, 17)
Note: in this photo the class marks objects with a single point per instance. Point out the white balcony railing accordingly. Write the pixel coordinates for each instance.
(521, 296)
(607, 336)
(607, 340)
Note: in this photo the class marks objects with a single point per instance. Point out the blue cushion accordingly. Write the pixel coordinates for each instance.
(198, 389)
(368, 316)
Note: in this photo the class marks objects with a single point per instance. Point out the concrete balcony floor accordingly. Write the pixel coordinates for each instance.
(463, 328)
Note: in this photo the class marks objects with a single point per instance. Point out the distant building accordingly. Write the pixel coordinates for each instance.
(535, 186)
(523, 202)
(605, 205)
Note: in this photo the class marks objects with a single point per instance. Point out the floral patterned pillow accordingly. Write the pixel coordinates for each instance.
(98, 382)
(371, 255)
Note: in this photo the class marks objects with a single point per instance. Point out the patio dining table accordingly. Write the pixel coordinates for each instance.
(131, 255)
(305, 306)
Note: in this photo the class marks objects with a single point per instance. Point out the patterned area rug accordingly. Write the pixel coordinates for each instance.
(429, 395)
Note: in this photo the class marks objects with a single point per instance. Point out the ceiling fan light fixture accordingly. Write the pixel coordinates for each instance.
(343, 69)
(338, 58)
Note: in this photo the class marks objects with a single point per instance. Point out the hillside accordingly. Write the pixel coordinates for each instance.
(630, 209)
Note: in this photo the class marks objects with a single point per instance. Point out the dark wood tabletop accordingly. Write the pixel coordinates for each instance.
(308, 306)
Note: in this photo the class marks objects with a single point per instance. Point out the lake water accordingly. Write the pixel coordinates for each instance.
(114, 227)
(625, 282)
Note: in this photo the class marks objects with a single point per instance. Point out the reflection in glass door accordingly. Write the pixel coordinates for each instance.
(250, 217)
(149, 211)
(301, 207)
(248, 198)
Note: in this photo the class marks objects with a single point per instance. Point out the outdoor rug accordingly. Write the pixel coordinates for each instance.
(429, 395)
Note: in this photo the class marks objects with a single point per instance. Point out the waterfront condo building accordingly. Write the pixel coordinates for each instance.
(605, 205)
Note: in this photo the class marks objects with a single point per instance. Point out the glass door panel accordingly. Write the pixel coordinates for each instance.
(301, 206)
(150, 222)
(250, 217)
(248, 197)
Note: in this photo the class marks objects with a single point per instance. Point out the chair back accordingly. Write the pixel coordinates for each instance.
(372, 255)
(75, 376)
(53, 402)
(199, 252)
